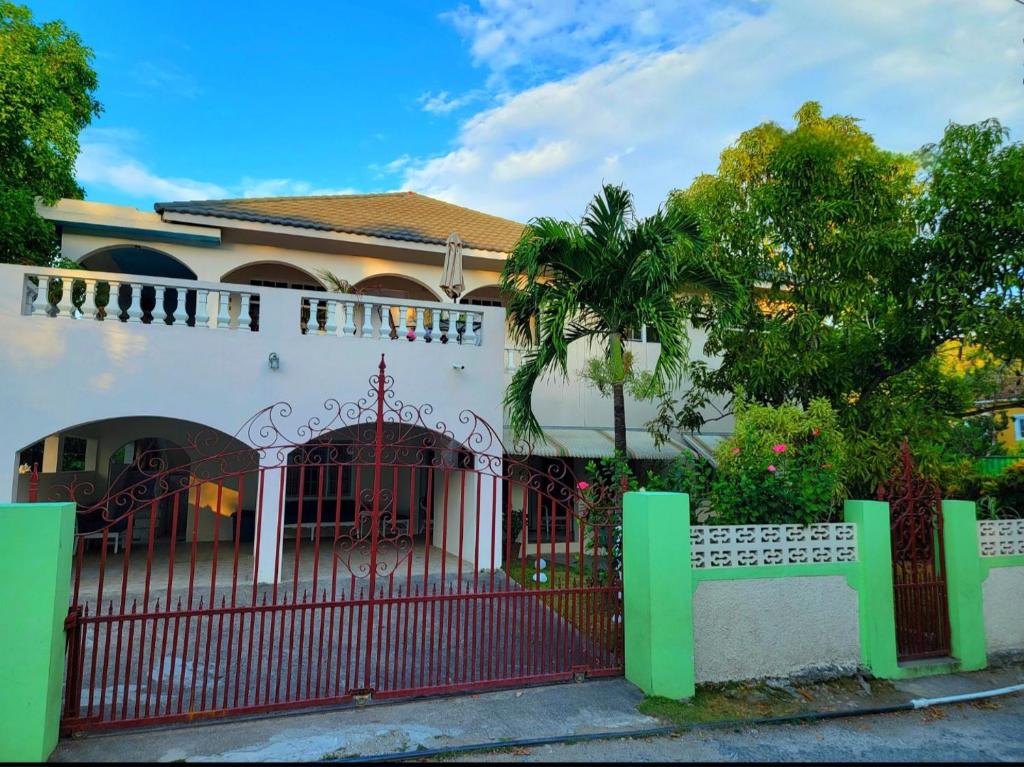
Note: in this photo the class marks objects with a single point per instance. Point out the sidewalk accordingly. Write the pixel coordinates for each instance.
(494, 718)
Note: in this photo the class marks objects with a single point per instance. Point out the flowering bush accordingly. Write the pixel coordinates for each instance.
(782, 465)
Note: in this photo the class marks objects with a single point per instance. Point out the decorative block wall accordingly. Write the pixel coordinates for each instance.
(755, 545)
(1001, 538)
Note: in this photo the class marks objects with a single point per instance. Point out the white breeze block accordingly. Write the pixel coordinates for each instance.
(1002, 537)
(752, 545)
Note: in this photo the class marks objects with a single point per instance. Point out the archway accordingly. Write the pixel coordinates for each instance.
(272, 274)
(396, 286)
(145, 262)
(137, 259)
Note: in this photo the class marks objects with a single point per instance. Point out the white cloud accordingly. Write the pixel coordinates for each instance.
(442, 103)
(103, 162)
(107, 162)
(653, 119)
(286, 187)
(537, 36)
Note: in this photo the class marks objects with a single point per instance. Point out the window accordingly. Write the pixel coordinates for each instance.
(32, 455)
(72, 453)
(254, 302)
(1018, 427)
(482, 301)
(645, 334)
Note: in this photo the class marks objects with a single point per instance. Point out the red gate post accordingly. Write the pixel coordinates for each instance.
(35, 576)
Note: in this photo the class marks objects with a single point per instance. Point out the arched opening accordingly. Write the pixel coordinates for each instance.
(141, 481)
(337, 486)
(396, 286)
(145, 262)
(137, 259)
(488, 295)
(271, 274)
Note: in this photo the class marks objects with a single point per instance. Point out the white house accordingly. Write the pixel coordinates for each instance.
(213, 324)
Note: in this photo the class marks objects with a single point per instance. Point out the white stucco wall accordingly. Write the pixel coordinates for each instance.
(1003, 594)
(748, 629)
(62, 372)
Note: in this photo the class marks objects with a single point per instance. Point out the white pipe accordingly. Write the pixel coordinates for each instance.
(925, 702)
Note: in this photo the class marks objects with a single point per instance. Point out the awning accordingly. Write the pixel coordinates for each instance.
(586, 442)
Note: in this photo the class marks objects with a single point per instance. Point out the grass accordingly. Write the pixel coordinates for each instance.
(589, 612)
(737, 701)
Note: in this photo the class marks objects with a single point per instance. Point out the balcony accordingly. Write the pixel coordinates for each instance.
(94, 296)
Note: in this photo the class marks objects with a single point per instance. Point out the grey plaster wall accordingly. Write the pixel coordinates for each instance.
(1003, 593)
(747, 629)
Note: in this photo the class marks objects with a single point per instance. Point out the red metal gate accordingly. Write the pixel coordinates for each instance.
(377, 553)
(919, 565)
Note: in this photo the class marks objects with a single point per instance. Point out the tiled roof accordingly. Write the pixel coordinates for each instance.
(398, 216)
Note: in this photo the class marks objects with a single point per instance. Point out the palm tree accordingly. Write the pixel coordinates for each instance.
(601, 279)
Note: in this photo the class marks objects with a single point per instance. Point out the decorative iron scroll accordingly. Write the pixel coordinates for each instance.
(755, 545)
(1001, 538)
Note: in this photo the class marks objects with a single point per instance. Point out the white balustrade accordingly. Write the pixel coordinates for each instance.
(378, 318)
(72, 285)
(223, 312)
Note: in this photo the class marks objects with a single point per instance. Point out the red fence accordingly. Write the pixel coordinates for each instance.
(375, 555)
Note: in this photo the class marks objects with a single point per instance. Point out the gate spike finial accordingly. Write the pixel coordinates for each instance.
(382, 365)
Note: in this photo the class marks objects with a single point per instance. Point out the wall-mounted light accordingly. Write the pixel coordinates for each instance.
(458, 366)
(274, 360)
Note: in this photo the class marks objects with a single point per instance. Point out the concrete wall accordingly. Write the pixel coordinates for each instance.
(753, 628)
(1003, 596)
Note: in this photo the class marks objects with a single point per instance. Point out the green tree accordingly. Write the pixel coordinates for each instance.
(46, 100)
(859, 264)
(598, 280)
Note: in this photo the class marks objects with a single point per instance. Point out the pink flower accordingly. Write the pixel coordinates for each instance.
(815, 432)
(735, 451)
(582, 485)
(771, 468)
(411, 335)
(780, 448)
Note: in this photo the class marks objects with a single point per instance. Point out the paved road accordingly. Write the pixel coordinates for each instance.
(989, 731)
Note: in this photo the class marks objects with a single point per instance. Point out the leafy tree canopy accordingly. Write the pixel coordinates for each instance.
(860, 263)
(46, 100)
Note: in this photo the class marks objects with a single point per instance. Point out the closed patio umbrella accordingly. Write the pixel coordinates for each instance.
(451, 277)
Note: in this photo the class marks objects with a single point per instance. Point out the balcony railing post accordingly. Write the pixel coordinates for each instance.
(202, 308)
(223, 309)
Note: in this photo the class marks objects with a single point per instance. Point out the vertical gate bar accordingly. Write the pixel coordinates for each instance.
(359, 643)
(569, 582)
(428, 536)
(315, 589)
(298, 664)
(212, 598)
(145, 605)
(383, 681)
(125, 554)
(234, 599)
(152, 657)
(488, 656)
(348, 627)
(96, 626)
(195, 655)
(174, 649)
(444, 522)
(167, 600)
(259, 654)
(73, 697)
(295, 579)
(378, 448)
(197, 486)
(334, 581)
(128, 658)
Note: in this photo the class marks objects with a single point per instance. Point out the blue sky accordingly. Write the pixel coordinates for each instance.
(515, 107)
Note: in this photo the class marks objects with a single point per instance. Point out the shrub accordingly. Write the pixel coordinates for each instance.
(782, 465)
(686, 473)
(1002, 496)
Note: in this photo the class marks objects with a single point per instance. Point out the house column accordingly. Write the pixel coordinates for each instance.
(269, 513)
(489, 522)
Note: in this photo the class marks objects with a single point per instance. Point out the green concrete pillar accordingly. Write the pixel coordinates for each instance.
(36, 549)
(877, 601)
(658, 593)
(963, 584)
